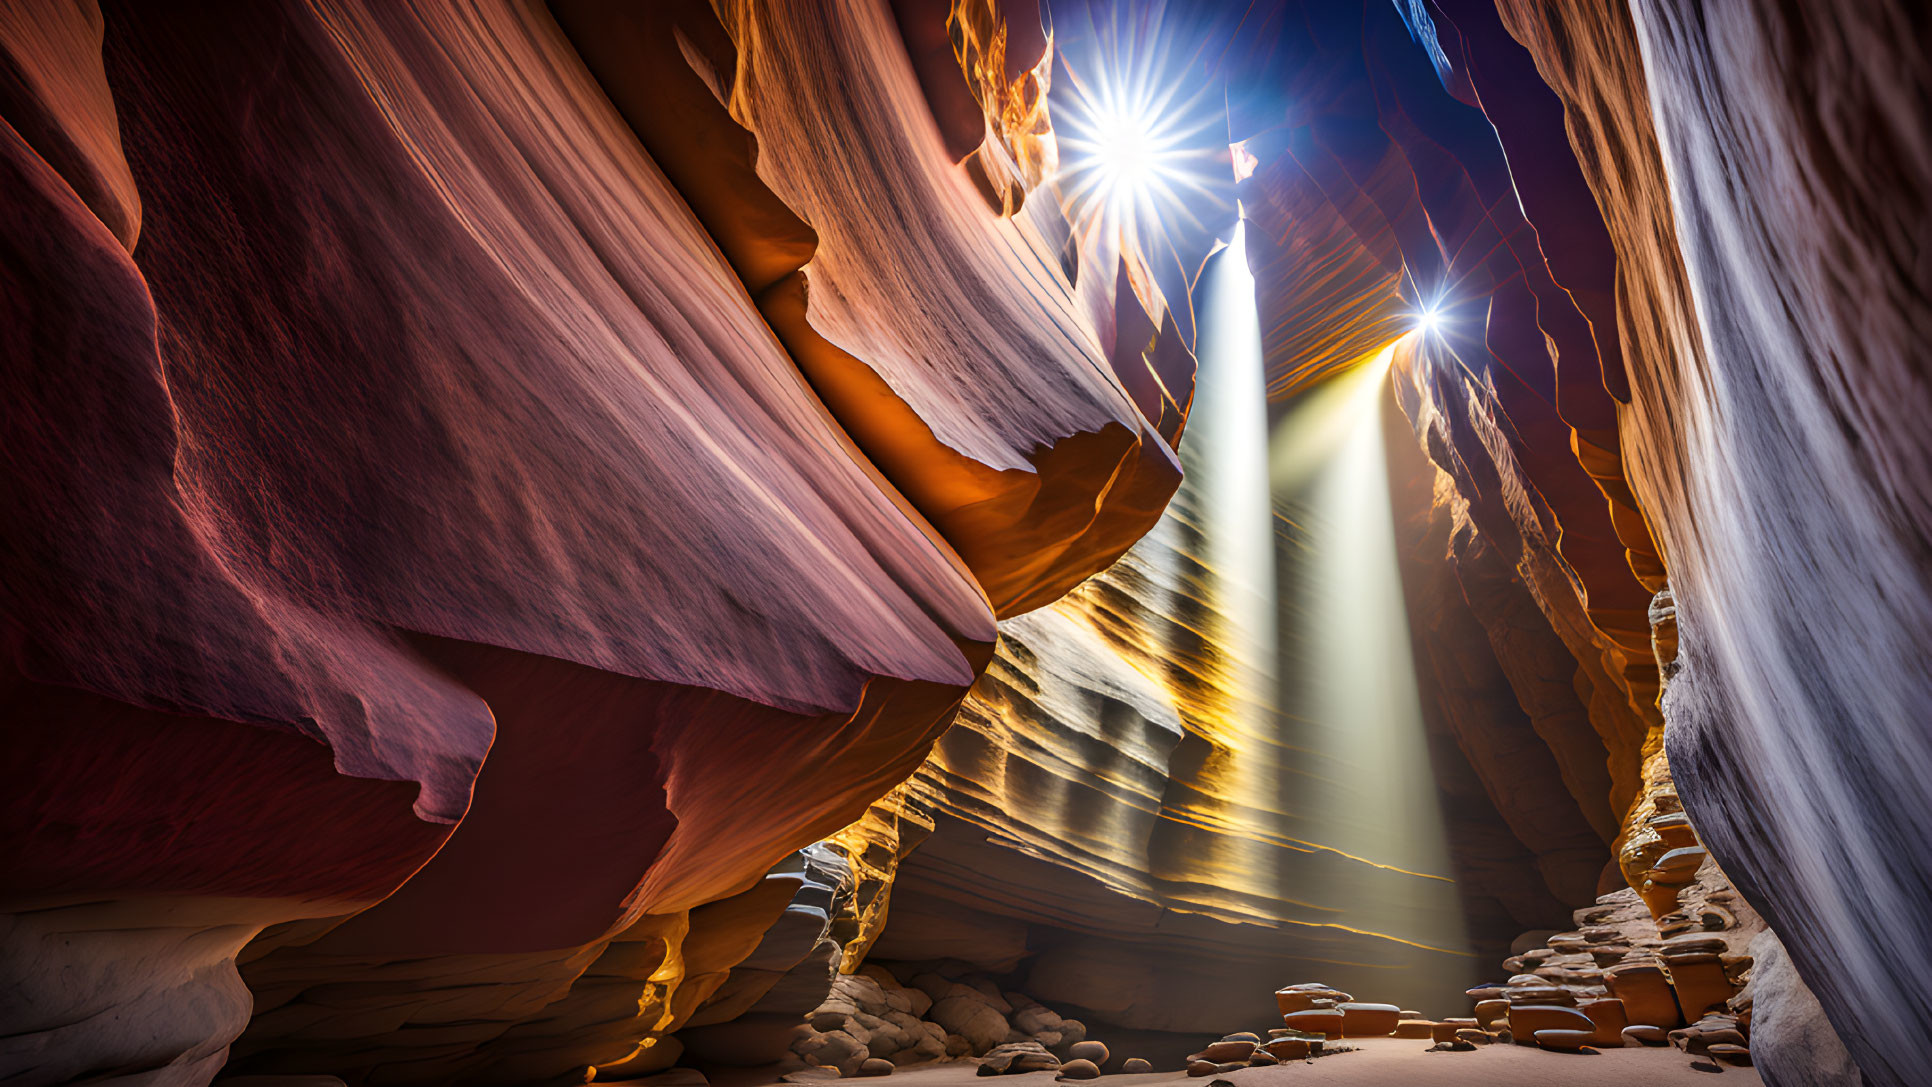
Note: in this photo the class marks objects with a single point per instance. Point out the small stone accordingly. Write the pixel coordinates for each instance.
(1261, 1057)
(1569, 1041)
(1308, 995)
(1223, 1052)
(1646, 1035)
(1473, 1036)
(1323, 1021)
(1016, 1057)
(1416, 1028)
(1528, 1022)
(875, 1066)
(1714, 918)
(1198, 1069)
(1542, 996)
(1243, 1036)
(1136, 1066)
(1295, 1047)
(1079, 1069)
(1089, 1051)
(1695, 941)
(1731, 1053)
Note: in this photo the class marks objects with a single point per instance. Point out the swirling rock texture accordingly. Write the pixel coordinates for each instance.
(1644, 227)
(432, 528)
(489, 482)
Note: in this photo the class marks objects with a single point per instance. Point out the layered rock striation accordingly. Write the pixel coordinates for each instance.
(424, 547)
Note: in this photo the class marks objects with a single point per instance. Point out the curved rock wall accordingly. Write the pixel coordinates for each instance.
(423, 547)
(1772, 435)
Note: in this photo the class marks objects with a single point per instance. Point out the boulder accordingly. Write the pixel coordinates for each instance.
(875, 1066)
(833, 1049)
(1646, 994)
(1035, 1019)
(970, 1017)
(1610, 1018)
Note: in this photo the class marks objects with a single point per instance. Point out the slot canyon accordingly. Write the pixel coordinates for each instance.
(725, 543)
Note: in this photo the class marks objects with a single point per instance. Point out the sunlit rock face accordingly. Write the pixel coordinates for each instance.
(429, 537)
(1772, 430)
(1131, 832)
(877, 263)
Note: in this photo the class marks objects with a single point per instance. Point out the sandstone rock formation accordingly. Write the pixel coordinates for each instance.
(506, 499)
(413, 516)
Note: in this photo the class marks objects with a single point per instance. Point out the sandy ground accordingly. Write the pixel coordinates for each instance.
(1391, 1062)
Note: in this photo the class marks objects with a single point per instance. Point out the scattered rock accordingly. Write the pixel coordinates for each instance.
(1323, 1021)
(1473, 1036)
(1731, 1053)
(875, 1066)
(1079, 1069)
(1223, 1052)
(1198, 1069)
(1369, 1020)
(1089, 1051)
(1014, 1058)
(1136, 1065)
(1294, 1046)
(1527, 1021)
(972, 1019)
(1562, 1040)
(1646, 1035)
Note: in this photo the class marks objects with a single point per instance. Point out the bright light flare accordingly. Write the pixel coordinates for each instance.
(1429, 320)
(1136, 149)
(1124, 153)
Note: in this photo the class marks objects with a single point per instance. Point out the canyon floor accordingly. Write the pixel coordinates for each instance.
(1389, 1062)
